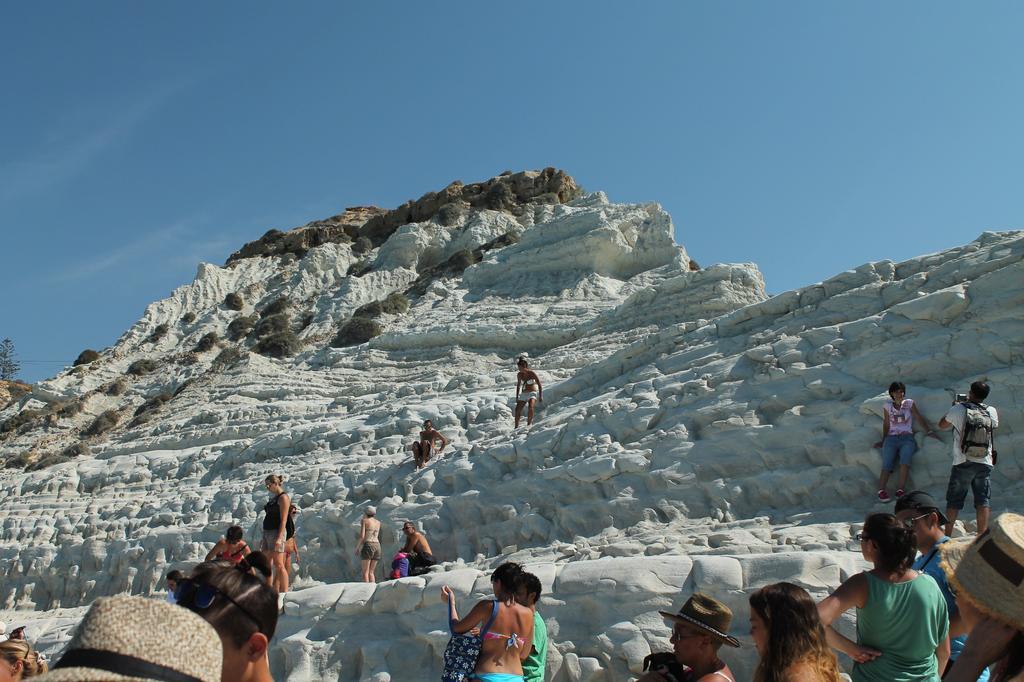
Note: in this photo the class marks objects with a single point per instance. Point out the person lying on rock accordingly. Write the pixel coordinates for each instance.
(898, 437)
(231, 547)
(421, 558)
(424, 447)
(698, 631)
(529, 391)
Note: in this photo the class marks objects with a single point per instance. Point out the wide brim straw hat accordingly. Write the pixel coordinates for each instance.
(989, 571)
(129, 639)
(706, 614)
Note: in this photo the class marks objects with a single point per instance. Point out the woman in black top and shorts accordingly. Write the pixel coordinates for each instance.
(276, 525)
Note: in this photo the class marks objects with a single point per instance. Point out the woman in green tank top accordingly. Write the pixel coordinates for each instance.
(902, 621)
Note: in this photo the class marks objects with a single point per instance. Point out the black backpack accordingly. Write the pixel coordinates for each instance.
(976, 439)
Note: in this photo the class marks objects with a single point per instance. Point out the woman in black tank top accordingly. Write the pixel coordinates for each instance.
(276, 523)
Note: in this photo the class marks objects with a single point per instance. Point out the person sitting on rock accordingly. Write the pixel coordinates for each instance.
(421, 558)
(424, 447)
(528, 589)
(230, 548)
(789, 637)
(898, 437)
(902, 619)
(698, 631)
(529, 391)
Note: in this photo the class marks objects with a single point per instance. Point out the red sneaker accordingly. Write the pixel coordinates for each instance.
(883, 496)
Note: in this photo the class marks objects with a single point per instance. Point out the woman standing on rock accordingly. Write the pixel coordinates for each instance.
(790, 639)
(898, 437)
(276, 525)
(507, 627)
(528, 391)
(902, 620)
(368, 547)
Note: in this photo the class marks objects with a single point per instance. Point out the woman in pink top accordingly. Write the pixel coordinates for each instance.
(898, 437)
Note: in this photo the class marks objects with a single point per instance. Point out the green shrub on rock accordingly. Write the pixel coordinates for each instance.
(274, 324)
(158, 333)
(116, 387)
(241, 326)
(188, 318)
(362, 246)
(277, 306)
(76, 450)
(234, 301)
(279, 345)
(153, 403)
(208, 341)
(142, 367)
(103, 423)
(357, 330)
(21, 419)
(229, 356)
(396, 304)
(86, 356)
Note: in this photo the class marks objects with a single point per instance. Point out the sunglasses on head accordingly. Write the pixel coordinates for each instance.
(202, 596)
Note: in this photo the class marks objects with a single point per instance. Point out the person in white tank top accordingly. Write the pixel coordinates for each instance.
(898, 438)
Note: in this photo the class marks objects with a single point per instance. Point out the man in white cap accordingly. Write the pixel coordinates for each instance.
(698, 631)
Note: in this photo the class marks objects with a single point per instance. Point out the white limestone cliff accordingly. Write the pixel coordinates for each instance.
(694, 434)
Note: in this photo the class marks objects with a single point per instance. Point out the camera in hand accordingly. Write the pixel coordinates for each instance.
(960, 398)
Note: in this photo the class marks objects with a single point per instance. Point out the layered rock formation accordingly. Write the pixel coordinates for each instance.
(693, 433)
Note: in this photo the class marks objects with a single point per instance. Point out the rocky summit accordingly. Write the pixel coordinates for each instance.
(693, 434)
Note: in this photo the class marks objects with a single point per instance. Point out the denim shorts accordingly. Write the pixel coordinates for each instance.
(974, 474)
(902, 446)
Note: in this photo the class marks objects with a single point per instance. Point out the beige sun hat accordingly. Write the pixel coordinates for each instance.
(706, 614)
(990, 570)
(134, 639)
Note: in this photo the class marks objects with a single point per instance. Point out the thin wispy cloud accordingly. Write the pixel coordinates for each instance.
(65, 155)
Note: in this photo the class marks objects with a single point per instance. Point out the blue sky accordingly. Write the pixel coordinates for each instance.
(138, 139)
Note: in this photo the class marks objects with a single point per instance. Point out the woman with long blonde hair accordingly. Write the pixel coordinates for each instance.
(789, 636)
(19, 661)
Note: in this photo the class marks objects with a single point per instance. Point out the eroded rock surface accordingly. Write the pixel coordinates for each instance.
(693, 433)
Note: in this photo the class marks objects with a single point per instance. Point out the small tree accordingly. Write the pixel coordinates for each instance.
(9, 367)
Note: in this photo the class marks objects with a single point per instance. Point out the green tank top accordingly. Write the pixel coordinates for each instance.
(905, 621)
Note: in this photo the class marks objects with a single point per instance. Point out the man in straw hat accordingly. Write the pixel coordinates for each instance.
(988, 577)
(698, 631)
(133, 639)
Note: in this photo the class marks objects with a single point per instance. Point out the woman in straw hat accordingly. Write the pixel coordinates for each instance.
(19, 661)
(242, 609)
(134, 639)
(902, 619)
(790, 639)
(988, 576)
(698, 631)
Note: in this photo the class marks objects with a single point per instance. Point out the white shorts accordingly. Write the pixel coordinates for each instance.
(527, 396)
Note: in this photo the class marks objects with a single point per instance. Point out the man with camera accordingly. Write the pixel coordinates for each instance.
(973, 423)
